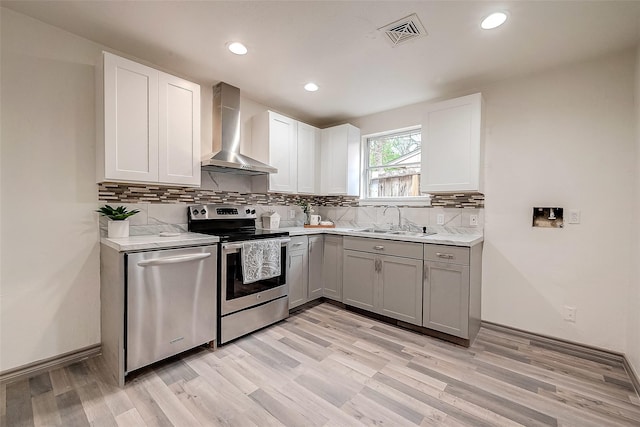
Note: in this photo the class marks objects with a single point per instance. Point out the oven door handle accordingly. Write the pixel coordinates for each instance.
(227, 246)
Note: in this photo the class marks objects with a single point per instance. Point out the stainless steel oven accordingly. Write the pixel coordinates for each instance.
(235, 295)
(247, 307)
(242, 307)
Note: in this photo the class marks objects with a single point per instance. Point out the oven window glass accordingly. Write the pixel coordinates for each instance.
(237, 289)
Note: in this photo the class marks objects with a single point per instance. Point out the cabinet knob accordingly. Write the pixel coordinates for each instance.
(378, 248)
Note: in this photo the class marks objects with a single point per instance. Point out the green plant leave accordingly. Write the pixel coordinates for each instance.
(116, 214)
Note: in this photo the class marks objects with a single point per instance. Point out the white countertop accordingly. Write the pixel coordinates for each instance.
(452, 239)
(154, 241)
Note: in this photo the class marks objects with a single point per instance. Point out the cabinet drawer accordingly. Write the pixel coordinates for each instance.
(386, 247)
(451, 254)
(298, 243)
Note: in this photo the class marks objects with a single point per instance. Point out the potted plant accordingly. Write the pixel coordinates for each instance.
(118, 225)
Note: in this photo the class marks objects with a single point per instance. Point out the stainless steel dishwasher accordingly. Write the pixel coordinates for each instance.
(171, 303)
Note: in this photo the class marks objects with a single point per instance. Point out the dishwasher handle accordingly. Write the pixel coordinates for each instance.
(173, 260)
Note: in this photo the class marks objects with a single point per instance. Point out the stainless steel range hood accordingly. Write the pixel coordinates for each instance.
(226, 136)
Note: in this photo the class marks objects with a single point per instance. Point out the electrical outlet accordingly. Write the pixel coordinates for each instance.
(569, 314)
(440, 219)
(292, 214)
(473, 220)
(574, 216)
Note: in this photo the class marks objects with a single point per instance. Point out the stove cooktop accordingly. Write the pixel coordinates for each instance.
(230, 223)
(231, 236)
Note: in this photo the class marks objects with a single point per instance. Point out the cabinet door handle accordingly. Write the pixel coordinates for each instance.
(425, 273)
(441, 255)
(297, 244)
(378, 266)
(378, 247)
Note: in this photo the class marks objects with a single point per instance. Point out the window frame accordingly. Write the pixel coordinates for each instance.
(423, 200)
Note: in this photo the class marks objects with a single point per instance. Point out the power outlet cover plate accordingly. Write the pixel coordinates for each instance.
(574, 216)
(569, 313)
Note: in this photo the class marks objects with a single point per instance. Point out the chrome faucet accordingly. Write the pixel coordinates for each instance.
(399, 215)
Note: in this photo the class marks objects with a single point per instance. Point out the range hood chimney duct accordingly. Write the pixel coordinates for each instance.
(226, 136)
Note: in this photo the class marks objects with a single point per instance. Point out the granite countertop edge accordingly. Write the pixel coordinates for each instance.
(465, 240)
(154, 241)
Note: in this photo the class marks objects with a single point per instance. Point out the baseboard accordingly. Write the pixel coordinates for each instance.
(36, 368)
(635, 378)
(572, 348)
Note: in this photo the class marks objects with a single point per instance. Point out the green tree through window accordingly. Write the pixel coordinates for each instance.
(393, 164)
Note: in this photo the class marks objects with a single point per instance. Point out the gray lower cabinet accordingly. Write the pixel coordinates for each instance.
(360, 279)
(332, 268)
(377, 279)
(298, 271)
(316, 254)
(451, 302)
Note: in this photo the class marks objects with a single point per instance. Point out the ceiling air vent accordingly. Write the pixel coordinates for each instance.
(403, 30)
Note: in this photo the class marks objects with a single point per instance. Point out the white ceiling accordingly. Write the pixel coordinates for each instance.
(337, 45)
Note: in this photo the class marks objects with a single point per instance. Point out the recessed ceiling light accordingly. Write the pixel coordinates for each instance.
(311, 87)
(493, 21)
(238, 48)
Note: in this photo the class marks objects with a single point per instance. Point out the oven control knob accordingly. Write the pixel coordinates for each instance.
(253, 211)
(195, 211)
(248, 211)
(203, 211)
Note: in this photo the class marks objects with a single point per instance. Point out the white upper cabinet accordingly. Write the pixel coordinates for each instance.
(308, 159)
(340, 168)
(179, 134)
(275, 142)
(148, 125)
(452, 146)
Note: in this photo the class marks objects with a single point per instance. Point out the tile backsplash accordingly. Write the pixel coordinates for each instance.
(164, 208)
(154, 218)
(140, 193)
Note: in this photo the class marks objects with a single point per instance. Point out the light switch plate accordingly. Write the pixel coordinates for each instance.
(292, 213)
(473, 220)
(574, 216)
(440, 219)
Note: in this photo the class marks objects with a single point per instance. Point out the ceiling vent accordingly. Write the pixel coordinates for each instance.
(403, 30)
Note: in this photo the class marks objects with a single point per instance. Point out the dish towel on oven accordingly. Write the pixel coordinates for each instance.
(260, 260)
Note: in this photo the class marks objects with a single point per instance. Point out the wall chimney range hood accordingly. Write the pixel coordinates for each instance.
(226, 136)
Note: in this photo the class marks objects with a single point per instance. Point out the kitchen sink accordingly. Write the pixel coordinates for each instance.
(396, 232)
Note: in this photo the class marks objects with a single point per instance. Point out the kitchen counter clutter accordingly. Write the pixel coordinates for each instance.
(158, 241)
(444, 238)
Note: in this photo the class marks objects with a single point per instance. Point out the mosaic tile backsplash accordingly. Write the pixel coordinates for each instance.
(165, 208)
(130, 193)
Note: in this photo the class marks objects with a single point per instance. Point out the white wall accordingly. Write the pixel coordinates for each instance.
(561, 138)
(633, 332)
(49, 283)
(565, 138)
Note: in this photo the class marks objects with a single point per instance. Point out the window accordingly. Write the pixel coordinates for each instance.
(392, 165)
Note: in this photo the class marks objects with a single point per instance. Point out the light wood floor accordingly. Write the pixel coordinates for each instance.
(328, 366)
